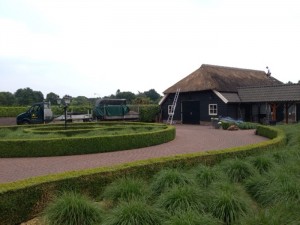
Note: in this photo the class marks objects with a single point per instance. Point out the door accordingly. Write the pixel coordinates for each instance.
(36, 114)
(191, 112)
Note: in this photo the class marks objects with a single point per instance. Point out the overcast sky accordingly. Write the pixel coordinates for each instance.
(94, 47)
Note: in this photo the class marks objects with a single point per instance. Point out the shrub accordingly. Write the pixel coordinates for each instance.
(135, 213)
(11, 111)
(126, 189)
(226, 125)
(247, 125)
(149, 113)
(72, 209)
(168, 178)
(237, 169)
(182, 199)
(192, 218)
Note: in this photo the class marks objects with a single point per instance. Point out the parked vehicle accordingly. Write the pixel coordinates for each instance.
(114, 109)
(105, 109)
(38, 113)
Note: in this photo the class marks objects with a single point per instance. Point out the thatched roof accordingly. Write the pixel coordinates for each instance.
(223, 79)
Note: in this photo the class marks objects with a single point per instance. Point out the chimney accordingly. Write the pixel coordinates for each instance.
(268, 72)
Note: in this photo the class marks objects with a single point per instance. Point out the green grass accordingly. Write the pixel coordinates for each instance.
(192, 218)
(205, 175)
(182, 198)
(237, 169)
(72, 209)
(228, 203)
(135, 213)
(169, 178)
(126, 189)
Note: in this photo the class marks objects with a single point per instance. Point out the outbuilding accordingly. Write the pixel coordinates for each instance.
(217, 91)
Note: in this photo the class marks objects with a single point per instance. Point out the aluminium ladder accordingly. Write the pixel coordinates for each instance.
(173, 107)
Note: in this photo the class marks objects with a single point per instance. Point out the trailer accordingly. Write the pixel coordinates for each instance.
(114, 109)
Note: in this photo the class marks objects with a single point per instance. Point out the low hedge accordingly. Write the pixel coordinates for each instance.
(84, 145)
(11, 111)
(23, 200)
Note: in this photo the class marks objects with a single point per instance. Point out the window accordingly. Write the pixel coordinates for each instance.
(212, 109)
(170, 109)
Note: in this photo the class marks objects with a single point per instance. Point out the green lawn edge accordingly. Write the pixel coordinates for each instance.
(23, 200)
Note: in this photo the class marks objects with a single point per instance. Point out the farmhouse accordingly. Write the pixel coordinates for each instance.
(216, 91)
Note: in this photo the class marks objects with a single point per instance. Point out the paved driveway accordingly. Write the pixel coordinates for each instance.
(189, 138)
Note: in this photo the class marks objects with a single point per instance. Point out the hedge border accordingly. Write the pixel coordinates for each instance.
(85, 145)
(23, 200)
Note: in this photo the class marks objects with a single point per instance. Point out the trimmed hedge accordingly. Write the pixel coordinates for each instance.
(85, 145)
(11, 111)
(23, 200)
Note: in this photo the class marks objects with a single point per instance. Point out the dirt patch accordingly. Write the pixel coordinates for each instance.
(4, 121)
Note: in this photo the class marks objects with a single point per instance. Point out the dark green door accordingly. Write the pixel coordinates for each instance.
(191, 112)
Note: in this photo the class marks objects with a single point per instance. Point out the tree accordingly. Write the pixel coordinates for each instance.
(7, 99)
(129, 96)
(52, 97)
(153, 95)
(141, 101)
(27, 96)
(80, 101)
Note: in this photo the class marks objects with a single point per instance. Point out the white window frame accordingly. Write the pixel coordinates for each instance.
(169, 109)
(213, 109)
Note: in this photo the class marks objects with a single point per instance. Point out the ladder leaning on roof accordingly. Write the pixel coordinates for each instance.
(173, 107)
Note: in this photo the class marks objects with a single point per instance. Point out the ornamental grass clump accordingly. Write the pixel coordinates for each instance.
(287, 214)
(126, 189)
(192, 218)
(168, 178)
(228, 202)
(237, 169)
(72, 209)
(262, 163)
(182, 198)
(135, 213)
(205, 175)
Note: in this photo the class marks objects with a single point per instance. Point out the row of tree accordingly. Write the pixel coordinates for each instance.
(27, 96)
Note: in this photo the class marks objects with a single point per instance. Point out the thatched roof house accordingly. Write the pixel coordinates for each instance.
(218, 91)
(222, 79)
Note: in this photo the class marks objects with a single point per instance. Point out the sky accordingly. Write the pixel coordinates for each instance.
(93, 48)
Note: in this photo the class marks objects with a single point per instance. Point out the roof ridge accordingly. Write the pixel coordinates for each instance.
(228, 67)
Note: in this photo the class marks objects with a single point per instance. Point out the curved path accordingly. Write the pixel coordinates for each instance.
(189, 138)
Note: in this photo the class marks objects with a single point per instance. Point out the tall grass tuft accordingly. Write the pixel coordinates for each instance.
(168, 178)
(135, 213)
(237, 169)
(277, 186)
(287, 214)
(126, 189)
(262, 163)
(205, 175)
(182, 199)
(228, 203)
(72, 209)
(192, 218)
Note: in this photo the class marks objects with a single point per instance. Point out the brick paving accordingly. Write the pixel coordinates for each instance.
(189, 138)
